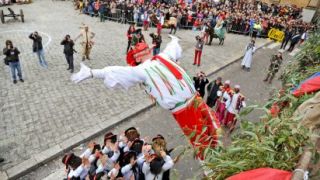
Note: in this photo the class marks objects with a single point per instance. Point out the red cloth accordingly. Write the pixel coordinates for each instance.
(130, 59)
(159, 28)
(193, 118)
(220, 110)
(230, 118)
(197, 57)
(262, 174)
(170, 66)
(308, 86)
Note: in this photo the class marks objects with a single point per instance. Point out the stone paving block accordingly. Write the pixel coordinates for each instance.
(71, 142)
(18, 170)
(91, 132)
(3, 175)
(48, 154)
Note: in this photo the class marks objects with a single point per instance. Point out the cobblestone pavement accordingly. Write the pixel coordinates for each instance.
(157, 120)
(47, 108)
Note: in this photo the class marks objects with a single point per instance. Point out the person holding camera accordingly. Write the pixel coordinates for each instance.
(12, 59)
(156, 41)
(200, 83)
(198, 51)
(38, 48)
(68, 50)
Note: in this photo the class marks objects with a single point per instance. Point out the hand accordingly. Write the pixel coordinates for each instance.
(129, 144)
(132, 161)
(163, 154)
(83, 74)
(85, 162)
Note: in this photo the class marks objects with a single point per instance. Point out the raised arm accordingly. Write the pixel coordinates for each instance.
(173, 49)
(113, 76)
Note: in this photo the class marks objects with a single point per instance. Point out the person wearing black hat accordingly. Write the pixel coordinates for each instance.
(154, 166)
(129, 167)
(76, 167)
(212, 90)
(111, 147)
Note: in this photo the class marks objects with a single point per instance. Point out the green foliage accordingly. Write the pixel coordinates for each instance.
(274, 142)
(306, 63)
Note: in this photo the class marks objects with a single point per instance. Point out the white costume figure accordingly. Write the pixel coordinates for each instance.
(167, 83)
(247, 59)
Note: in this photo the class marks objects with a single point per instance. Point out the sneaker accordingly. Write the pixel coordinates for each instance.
(21, 80)
(83, 58)
(71, 70)
(194, 63)
(14, 81)
(68, 68)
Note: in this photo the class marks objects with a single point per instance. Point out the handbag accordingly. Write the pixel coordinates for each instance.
(6, 61)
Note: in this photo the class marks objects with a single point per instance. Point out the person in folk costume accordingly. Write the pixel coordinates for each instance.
(247, 59)
(159, 144)
(129, 169)
(154, 166)
(130, 33)
(224, 98)
(237, 102)
(76, 168)
(111, 147)
(130, 135)
(212, 89)
(219, 30)
(275, 63)
(146, 20)
(168, 84)
(160, 23)
(220, 107)
(137, 37)
(86, 42)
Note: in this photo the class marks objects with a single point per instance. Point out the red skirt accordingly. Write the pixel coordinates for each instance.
(199, 123)
(230, 118)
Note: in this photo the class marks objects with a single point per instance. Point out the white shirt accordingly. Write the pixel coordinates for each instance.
(166, 166)
(159, 82)
(233, 105)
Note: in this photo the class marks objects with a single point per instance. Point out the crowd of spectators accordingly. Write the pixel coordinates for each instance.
(240, 17)
(8, 2)
(125, 157)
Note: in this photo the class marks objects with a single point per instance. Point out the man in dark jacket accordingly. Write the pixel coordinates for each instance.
(200, 83)
(12, 57)
(294, 40)
(287, 37)
(68, 51)
(38, 48)
(156, 41)
(212, 90)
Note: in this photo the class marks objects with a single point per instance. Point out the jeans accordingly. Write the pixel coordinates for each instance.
(42, 60)
(156, 51)
(15, 66)
(69, 59)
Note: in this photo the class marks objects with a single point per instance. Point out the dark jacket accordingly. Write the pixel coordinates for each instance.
(156, 40)
(12, 55)
(296, 38)
(37, 42)
(212, 89)
(200, 85)
(68, 47)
